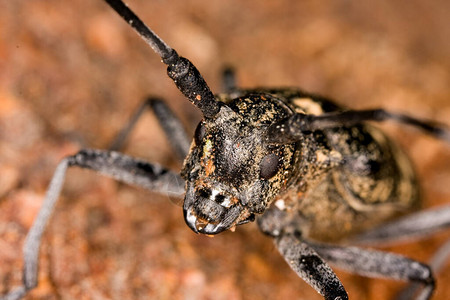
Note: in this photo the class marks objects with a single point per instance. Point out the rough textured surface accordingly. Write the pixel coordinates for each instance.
(71, 73)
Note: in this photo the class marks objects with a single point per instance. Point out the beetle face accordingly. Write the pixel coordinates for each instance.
(231, 172)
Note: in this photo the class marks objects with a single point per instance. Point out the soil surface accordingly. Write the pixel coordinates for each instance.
(72, 73)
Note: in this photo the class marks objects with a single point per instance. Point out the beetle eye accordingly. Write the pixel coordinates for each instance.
(269, 166)
(199, 133)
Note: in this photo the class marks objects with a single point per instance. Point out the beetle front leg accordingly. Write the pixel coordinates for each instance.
(305, 261)
(302, 258)
(113, 164)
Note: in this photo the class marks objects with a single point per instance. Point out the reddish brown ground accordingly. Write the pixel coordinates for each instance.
(71, 73)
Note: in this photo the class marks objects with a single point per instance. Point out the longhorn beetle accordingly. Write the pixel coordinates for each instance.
(298, 163)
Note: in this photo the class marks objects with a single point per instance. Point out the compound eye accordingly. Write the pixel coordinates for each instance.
(199, 134)
(269, 166)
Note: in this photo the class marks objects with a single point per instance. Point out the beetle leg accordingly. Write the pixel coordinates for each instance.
(294, 127)
(169, 122)
(121, 167)
(229, 80)
(304, 260)
(415, 226)
(373, 263)
(437, 262)
(418, 225)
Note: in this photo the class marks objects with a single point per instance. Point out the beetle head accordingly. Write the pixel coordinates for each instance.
(231, 172)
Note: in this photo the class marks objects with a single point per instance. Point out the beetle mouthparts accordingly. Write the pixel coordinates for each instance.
(200, 225)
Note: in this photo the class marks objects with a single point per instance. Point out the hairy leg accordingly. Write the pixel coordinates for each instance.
(113, 164)
(169, 122)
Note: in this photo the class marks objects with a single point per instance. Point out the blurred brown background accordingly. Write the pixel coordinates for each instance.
(72, 72)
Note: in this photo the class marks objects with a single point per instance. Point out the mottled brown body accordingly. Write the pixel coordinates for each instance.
(341, 181)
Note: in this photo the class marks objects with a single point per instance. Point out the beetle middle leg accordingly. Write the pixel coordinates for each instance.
(169, 122)
(172, 126)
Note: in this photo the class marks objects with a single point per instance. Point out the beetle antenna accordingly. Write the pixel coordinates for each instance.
(293, 128)
(184, 74)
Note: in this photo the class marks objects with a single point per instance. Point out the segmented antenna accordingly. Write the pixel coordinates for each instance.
(184, 74)
(294, 127)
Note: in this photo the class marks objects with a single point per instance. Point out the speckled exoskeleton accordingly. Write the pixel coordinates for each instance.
(313, 175)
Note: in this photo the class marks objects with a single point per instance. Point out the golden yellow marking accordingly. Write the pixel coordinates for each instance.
(207, 148)
(308, 106)
(321, 157)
